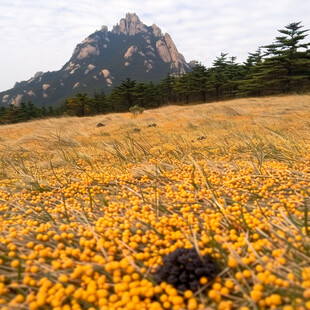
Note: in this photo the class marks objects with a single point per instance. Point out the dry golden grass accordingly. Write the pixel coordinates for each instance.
(284, 113)
(88, 213)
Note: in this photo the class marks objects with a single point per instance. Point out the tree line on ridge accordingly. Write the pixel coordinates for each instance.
(282, 67)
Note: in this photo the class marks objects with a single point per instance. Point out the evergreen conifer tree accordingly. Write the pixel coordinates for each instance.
(287, 62)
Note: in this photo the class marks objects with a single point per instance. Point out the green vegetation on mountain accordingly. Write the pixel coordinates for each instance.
(279, 68)
(101, 62)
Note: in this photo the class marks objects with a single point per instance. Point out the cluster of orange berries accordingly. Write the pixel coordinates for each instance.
(96, 242)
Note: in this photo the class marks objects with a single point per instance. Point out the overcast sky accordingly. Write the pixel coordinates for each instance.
(40, 35)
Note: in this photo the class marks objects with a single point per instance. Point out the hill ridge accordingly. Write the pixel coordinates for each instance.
(102, 60)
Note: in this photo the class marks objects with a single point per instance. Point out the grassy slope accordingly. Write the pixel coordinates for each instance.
(231, 178)
(287, 113)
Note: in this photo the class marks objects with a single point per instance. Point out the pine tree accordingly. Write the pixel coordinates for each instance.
(152, 95)
(146, 95)
(51, 111)
(32, 111)
(122, 97)
(252, 84)
(10, 116)
(139, 94)
(2, 114)
(79, 105)
(218, 75)
(198, 77)
(234, 73)
(22, 112)
(167, 86)
(287, 62)
(99, 104)
(44, 112)
(184, 87)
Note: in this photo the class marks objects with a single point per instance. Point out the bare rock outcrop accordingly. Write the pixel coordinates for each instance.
(89, 68)
(163, 51)
(45, 86)
(108, 77)
(38, 74)
(31, 93)
(192, 63)
(76, 85)
(104, 30)
(105, 72)
(132, 49)
(156, 31)
(16, 100)
(169, 53)
(88, 50)
(130, 25)
(70, 66)
(5, 98)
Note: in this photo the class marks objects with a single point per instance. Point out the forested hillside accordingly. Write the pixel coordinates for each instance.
(281, 67)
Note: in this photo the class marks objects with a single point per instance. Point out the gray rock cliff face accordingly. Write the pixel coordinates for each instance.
(130, 25)
(101, 61)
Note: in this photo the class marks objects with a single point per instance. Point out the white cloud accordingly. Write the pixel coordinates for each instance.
(40, 35)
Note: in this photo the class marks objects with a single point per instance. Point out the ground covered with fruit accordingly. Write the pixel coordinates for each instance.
(200, 218)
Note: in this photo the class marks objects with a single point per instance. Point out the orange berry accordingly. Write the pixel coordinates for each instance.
(256, 295)
(15, 263)
(192, 304)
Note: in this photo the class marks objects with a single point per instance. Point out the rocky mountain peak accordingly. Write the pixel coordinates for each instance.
(130, 25)
(104, 30)
(132, 17)
(101, 61)
(156, 31)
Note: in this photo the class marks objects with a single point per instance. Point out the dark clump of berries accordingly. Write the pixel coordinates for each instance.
(183, 269)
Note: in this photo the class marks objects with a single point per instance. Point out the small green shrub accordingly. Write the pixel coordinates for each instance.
(135, 110)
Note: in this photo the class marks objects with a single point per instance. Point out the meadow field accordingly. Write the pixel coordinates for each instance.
(90, 216)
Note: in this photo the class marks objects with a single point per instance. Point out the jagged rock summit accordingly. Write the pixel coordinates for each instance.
(101, 61)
